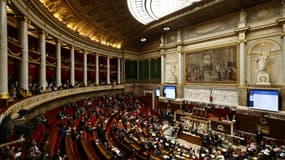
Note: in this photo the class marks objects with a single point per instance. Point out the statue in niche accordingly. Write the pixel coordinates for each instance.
(262, 75)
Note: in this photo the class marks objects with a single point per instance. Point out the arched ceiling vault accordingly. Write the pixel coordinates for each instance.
(110, 23)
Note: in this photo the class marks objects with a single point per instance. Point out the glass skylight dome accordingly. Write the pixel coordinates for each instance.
(146, 11)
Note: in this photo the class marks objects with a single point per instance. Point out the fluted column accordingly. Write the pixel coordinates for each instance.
(119, 71)
(283, 40)
(3, 52)
(180, 63)
(162, 66)
(242, 62)
(42, 45)
(108, 70)
(123, 71)
(23, 38)
(162, 50)
(97, 69)
(85, 68)
(180, 57)
(72, 67)
(58, 63)
(242, 40)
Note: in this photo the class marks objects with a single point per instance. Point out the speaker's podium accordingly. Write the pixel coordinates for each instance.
(197, 124)
(194, 125)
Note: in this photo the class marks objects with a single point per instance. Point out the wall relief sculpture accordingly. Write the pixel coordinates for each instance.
(212, 65)
(171, 68)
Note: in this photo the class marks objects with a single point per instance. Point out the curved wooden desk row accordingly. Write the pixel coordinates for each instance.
(68, 147)
(98, 142)
(129, 146)
(87, 147)
(34, 101)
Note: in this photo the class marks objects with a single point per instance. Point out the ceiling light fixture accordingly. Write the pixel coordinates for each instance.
(166, 28)
(143, 39)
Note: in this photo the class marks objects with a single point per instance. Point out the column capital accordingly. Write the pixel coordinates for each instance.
(58, 41)
(242, 38)
(179, 49)
(242, 41)
(22, 17)
(41, 31)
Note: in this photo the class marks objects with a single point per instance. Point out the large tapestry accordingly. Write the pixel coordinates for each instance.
(212, 65)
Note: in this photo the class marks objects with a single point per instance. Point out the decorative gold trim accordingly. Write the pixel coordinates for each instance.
(208, 38)
(215, 84)
(242, 29)
(242, 86)
(260, 27)
(282, 34)
(4, 96)
(210, 47)
(280, 20)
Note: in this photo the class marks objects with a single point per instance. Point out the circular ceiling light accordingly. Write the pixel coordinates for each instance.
(166, 28)
(143, 39)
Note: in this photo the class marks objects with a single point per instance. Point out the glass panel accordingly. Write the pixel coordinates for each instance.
(146, 11)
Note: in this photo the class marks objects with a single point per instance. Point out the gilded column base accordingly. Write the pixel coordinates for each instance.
(4, 96)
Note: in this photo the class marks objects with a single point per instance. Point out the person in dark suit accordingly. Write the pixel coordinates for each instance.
(258, 136)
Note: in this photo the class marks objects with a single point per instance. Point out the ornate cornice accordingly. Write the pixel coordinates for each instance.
(41, 18)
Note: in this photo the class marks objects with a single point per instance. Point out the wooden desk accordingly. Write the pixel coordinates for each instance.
(68, 147)
(226, 127)
(200, 125)
(190, 138)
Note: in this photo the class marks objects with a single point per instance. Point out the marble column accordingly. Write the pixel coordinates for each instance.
(180, 57)
(72, 67)
(58, 63)
(108, 70)
(3, 51)
(97, 69)
(162, 54)
(283, 54)
(23, 38)
(180, 65)
(242, 57)
(283, 40)
(119, 71)
(42, 46)
(123, 71)
(162, 65)
(85, 68)
(242, 60)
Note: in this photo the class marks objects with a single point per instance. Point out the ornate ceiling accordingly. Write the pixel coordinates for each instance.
(105, 21)
(110, 23)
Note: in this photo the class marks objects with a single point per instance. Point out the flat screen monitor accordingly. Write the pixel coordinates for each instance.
(157, 92)
(263, 99)
(169, 92)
